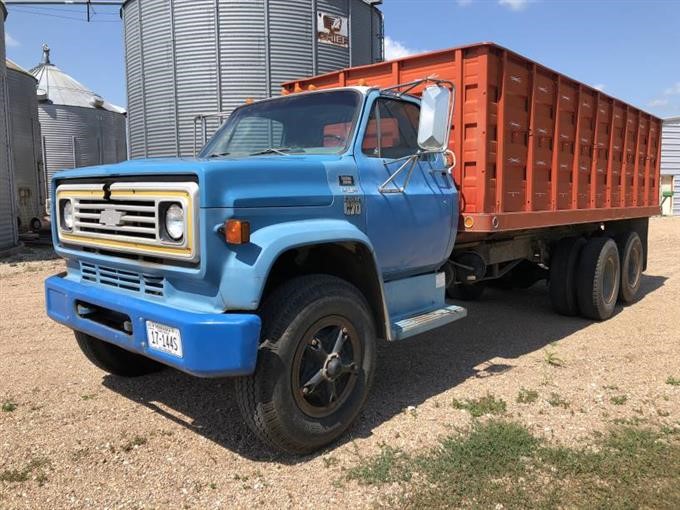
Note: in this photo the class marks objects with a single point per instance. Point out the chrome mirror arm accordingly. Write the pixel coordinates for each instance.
(408, 165)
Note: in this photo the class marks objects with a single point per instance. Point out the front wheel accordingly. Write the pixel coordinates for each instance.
(113, 359)
(315, 364)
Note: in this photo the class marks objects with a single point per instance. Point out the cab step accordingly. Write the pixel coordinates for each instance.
(417, 324)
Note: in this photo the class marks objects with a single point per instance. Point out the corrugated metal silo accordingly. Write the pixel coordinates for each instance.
(24, 139)
(190, 57)
(8, 225)
(670, 159)
(79, 128)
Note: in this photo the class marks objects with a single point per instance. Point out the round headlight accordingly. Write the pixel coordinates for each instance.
(67, 215)
(174, 222)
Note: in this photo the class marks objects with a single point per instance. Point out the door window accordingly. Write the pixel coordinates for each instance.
(392, 130)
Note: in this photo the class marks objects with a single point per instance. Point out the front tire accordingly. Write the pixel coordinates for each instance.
(315, 364)
(113, 359)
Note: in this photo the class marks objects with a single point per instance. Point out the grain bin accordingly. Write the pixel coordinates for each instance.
(24, 136)
(670, 164)
(8, 225)
(79, 127)
(190, 57)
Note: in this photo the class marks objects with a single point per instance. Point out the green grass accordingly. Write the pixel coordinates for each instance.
(527, 396)
(390, 465)
(502, 463)
(481, 406)
(673, 381)
(619, 400)
(8, 406)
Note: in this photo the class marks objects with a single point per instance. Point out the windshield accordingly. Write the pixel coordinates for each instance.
(318, 123)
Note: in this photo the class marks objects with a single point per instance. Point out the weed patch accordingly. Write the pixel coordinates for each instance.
(502, 463)
(35, 466)
(390, 465)
(8, 406)
(481, 406)
(619, 400)
(556, 400)
(527, 396)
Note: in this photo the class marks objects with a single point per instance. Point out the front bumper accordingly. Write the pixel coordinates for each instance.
(214, 345)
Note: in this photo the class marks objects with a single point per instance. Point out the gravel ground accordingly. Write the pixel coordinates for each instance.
(73, 437)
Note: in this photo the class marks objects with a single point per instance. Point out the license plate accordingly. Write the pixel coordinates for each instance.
(164, 338)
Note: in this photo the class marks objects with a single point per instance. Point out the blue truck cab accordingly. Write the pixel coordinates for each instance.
(309, 226)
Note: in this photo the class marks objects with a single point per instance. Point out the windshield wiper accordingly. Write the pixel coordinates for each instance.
(219, 154)
(276, 150)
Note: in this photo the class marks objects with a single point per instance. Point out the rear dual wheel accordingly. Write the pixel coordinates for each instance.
(632, 260)
(598, 278)
(586, 277)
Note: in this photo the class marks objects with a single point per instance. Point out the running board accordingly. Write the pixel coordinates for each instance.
(421, 323)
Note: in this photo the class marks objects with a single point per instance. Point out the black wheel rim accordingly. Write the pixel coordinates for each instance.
(325, 366)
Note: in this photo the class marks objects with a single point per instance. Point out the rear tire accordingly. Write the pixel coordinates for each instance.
(302, 396)
(562, 284)
(598, 278)
(632, 256)
(113, 359)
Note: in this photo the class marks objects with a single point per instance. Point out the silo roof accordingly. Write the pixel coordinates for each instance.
(16, 67)
(56, 86)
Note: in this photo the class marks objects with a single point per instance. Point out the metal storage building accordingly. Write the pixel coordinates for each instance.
(8, 225)
(191, 57)
(670, 162)
(24, 137)
(79, 128)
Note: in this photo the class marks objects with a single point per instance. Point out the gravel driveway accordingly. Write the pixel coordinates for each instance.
(73, 437)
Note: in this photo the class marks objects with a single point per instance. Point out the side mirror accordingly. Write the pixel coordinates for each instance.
(434, 129)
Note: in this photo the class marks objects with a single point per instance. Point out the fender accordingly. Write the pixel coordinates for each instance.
(249, 265)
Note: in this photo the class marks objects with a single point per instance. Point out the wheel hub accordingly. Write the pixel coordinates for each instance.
(325, 366)
(333, 367)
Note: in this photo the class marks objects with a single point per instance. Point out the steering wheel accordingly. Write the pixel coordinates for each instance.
(334, 136)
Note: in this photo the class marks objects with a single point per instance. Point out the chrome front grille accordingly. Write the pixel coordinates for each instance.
(127, 280)
(130, 220)
(129, 217)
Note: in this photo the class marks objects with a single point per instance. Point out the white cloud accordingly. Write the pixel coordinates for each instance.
(674, 90)
(514, 5)
(395, 49)
(658, 102)
(10, 41)
(600, 86)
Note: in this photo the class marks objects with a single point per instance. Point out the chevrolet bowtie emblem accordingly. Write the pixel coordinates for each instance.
(111, 218)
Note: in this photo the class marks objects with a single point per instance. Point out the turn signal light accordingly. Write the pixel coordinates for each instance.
(236, 232)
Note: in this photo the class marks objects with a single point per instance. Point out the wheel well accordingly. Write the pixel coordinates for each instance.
(351, 261)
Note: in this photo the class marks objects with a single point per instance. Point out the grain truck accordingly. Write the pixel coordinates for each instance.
(344, 212)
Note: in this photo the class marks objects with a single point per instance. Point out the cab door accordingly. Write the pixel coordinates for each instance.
(411, 229)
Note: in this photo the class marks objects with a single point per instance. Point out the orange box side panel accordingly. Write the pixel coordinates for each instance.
(530, 141)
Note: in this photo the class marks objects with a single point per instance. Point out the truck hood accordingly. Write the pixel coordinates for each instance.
(260, 181)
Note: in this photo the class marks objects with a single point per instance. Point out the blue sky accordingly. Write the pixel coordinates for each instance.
(630, 49)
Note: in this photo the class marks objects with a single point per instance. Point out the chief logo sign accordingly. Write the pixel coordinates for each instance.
(111, 218)
(332, 29)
